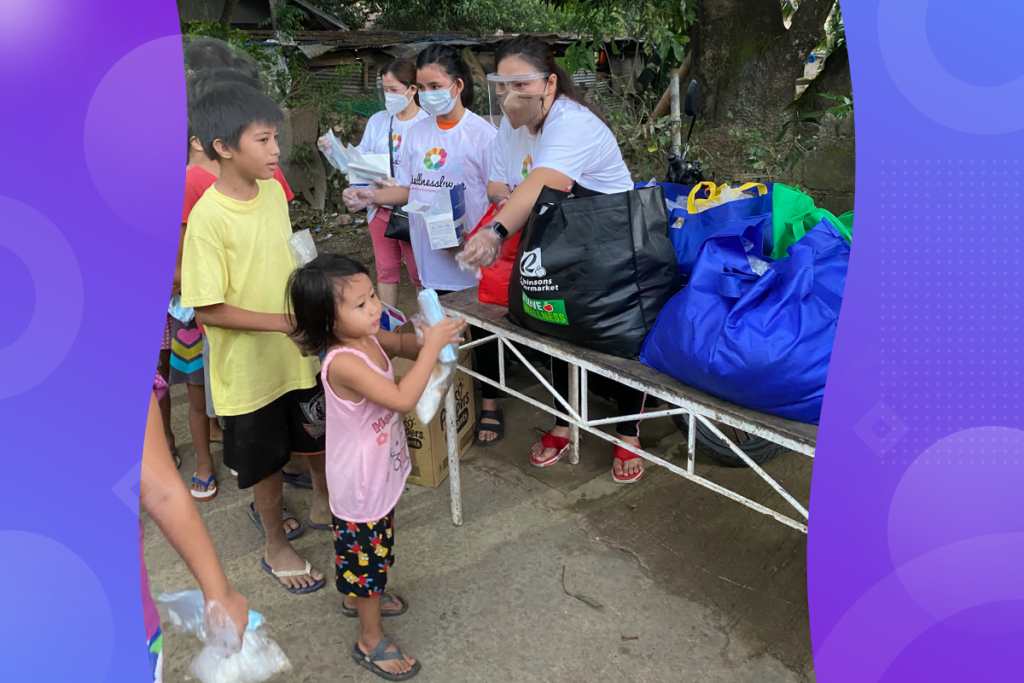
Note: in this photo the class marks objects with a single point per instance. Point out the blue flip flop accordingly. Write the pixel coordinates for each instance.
(211, 488)
(321, 527)
(297, 591)
(255, 517)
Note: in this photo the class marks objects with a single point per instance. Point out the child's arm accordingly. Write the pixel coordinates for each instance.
(170, 505)
(230, 317)
(399, 345)
(177, 266)
(350, 375)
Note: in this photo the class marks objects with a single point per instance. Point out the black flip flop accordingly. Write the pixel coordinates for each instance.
(292, 535)
(299, 481)
(378, 654)
(384, 599)
(498, 429)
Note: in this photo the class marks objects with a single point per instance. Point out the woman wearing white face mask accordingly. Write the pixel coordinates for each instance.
(451, 148)
(549, 136)
(402, 111)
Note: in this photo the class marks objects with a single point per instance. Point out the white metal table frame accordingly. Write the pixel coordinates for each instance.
(576, 412)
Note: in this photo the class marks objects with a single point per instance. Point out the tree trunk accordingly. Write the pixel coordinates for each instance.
(747, 62)
(229, 11)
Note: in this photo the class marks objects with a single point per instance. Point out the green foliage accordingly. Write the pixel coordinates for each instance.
(662, 25)
(287, 19)
(239, 40)
(473, 16)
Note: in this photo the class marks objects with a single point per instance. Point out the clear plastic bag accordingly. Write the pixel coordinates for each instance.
(303, 247)
(332, 149)
(223, 659)
(180, 313)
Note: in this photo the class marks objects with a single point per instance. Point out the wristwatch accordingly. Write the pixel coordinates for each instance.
(500, 231)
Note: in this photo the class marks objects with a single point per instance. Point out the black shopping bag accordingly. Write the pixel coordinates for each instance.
(594, 270)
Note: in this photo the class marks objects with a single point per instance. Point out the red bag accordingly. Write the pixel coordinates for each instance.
(494, 280)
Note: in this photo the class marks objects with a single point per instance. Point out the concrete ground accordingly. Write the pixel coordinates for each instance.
(690, 585)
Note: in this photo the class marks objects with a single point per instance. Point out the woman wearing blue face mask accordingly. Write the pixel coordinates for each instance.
(402, 112)
(451, 148)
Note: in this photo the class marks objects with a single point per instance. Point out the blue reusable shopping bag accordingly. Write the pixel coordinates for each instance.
(688, 231)
(760, 341)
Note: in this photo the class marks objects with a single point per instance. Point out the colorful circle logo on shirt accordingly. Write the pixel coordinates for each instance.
(435, 158)
(527, 166)
(396, 142)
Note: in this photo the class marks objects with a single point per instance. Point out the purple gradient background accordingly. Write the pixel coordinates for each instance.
(916, 538)
(93, 121)
(916, 535)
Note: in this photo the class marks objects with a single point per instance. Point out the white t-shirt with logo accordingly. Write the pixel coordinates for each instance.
(375, 140)
(436, 159)
(572, 141)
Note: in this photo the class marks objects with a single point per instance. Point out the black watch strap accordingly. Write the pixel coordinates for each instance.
(500, 231)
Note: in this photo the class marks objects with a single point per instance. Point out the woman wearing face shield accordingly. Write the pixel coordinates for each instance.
(402, 111)
(450, 148)
(548, 136)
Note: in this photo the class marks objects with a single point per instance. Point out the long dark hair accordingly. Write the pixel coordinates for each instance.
(311, 293)
(538, 54)
(404, 72)
(452, 63)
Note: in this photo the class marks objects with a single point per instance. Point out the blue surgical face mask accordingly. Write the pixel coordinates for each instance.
(437, 102)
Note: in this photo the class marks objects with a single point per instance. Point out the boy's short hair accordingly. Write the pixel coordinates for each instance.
(200, 83)
(208, 53)
(226, 111)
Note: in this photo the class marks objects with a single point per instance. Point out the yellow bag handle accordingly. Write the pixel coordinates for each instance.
(714, 192)
(691, 202)
(762, 189)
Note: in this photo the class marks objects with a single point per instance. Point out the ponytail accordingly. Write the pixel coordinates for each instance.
(452, 63)
(538, 54)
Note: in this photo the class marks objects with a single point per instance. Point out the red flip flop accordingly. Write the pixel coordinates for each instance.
(549, 440)
(624, 456)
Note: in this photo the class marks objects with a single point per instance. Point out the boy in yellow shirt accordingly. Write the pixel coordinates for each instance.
(235, 268)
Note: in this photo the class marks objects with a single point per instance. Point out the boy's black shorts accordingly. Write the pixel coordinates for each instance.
(259, 444)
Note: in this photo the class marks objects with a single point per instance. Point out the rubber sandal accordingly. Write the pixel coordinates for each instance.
(234, 474)
(297, 591)
(498, 429)
(320, 527)
(177, 460)
(549, 440)
(211, 488)
(384, 599)
(379, 654)
(624, 456)
(299, 481)
(255, 517)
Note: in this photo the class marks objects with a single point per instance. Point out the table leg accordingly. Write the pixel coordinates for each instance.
(452, 430)
(574, 401)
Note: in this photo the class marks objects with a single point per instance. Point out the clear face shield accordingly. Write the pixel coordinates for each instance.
(519, 98)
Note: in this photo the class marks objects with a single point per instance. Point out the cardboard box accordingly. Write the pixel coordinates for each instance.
(428, 445)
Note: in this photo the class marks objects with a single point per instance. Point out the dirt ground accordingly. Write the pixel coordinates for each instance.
(680, 583)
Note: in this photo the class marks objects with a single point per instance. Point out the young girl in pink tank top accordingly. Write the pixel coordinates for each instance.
(337, 314)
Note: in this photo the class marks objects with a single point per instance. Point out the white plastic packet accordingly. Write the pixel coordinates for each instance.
(302, 246)
(443, 375)
(223, 659)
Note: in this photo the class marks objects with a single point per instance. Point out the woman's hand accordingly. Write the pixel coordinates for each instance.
(482, 249)
(385, 182)
(236, 607)
(357, 198)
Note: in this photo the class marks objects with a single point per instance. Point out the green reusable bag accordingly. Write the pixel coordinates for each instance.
(794, 214)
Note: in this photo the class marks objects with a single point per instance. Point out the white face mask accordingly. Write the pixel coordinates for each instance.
(437, 102)
(395, 104)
